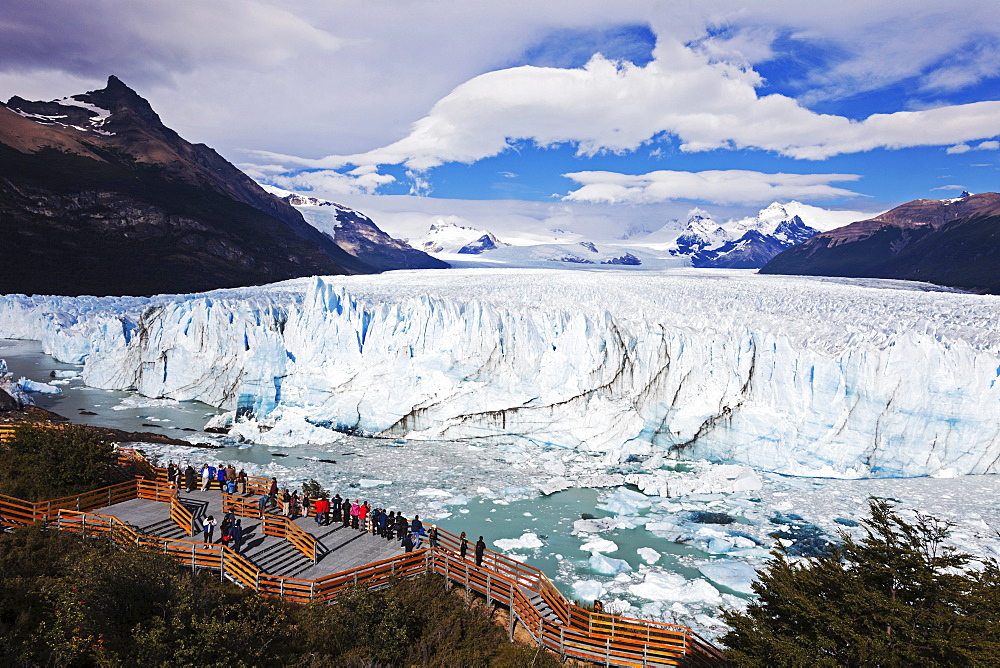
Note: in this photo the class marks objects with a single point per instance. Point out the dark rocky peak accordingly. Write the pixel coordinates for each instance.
(118, 98)
(965, 193)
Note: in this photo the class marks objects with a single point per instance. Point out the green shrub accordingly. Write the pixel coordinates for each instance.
(899, 596)
(41, 464)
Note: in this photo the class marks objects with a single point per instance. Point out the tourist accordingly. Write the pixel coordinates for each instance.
(345, 512)
(415, 537)
(433, 536)
(355, 513)
(380, 520)
(480, 550)
(236, 536)
(598, 606)
(407, 543)
(227, 522)
(463, 546)
(390, 525)
(220, 477)
(416, 526)
(335, 509)
(231, 487)
(400, 526)
(285, 501)
(241, 482)
(363, 516)
(206, 475)
(208, 526)
(231, 473)
(272, 492)
(293, 502)
(189, 478)
(322, 507)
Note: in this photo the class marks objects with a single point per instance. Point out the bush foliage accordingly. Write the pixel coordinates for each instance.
(82, 602)
(898, 596)
(41, 464)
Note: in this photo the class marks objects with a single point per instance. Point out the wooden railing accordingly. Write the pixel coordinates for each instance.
(181, 516)
(282, 527)
(577, 633)
(8, 432)
(17, 512)
(244, 506)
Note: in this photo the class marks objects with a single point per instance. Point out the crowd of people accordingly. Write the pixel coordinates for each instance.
(356, 514)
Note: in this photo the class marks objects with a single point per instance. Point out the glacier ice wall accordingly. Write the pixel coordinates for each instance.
(797, 375)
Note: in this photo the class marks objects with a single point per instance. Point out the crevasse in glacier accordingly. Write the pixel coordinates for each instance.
(796, 375)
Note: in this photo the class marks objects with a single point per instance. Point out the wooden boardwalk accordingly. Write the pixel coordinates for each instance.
(301, 561)
(338, 548)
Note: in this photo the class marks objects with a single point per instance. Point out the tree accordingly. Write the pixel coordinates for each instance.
(898, 596)
(315, 490)
(44, 463)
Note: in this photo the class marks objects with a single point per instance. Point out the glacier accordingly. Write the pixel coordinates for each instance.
(796, 375)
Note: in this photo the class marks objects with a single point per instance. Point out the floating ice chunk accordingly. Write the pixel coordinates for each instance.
(660, 586)
(725, 479)
(66, 373)
(457, 500)
(432, 491)
(588, 590)
(735, 575)
(39, 388)
(485, 492)
(554, 485)
(367, 482)
(603, 480)
(608, 565)
(626, 502)
(598, 524)
(598, 544)
(138, 401)
(649, 555)
(527, 541)
(617, 606)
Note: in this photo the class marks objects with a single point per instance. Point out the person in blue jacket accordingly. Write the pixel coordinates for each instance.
(236, 536)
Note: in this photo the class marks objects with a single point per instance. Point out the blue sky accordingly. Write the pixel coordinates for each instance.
(632, 104)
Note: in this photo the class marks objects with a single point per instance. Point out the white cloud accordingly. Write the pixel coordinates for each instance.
(949, 187)
(616, 107)
(721, 186)
(989, 145)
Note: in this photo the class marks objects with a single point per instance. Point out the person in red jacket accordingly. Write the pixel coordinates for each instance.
(363, 516)
(322, 507)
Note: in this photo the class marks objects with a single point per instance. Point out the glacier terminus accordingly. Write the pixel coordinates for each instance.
(795, 375)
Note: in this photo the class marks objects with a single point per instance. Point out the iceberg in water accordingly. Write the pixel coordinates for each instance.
(803, 376)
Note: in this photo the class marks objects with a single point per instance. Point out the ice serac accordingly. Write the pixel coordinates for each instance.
(796, 375)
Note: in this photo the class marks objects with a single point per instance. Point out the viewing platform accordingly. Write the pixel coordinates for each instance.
(300, 561)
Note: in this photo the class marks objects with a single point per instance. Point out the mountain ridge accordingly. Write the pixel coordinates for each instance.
(953, 242)
(97, 196)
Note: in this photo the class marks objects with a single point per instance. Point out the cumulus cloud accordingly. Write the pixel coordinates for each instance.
(329, 183)
(617, 107)
(721, 186)
(989, 145)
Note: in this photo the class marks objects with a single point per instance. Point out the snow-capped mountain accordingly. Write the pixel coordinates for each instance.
(949, 242)
(749, 243)
(450, 237)
(357, 234)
